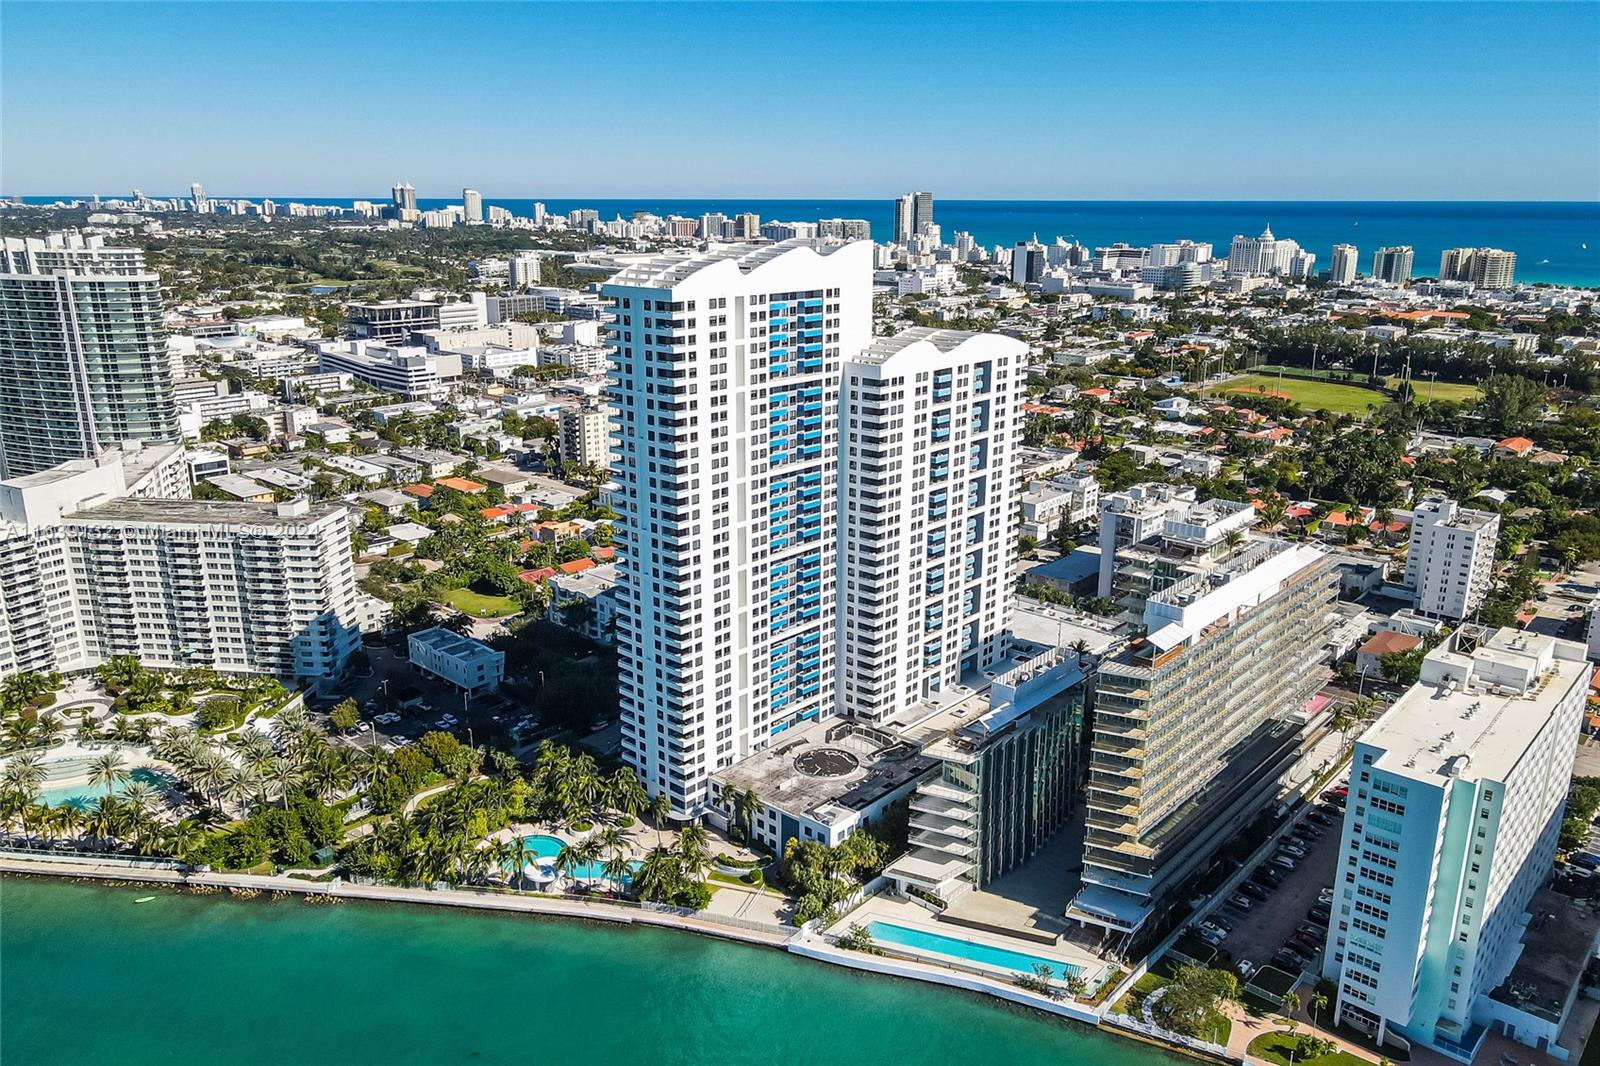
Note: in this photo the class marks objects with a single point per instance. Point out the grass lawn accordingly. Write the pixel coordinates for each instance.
(1443, 390)
(1276, 1047)
(1312, 395)
(480, 605)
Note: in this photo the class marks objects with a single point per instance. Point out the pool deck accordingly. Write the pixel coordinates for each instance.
(911, 915)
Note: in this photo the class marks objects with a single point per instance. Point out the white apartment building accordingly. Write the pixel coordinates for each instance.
(1266, 254)
(1487, 268)
(1046, 504)
(1451, 827)
(586, 436)
(1185, 251)
(931, 434)
(413, 372)
(726, 390)
(1393, 264)
(470, 665)
(1345, 260)
(93, 564)
(1450, 562)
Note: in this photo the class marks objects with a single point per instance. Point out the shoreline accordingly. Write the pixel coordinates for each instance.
(798, 943)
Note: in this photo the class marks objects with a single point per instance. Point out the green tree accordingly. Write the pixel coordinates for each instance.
(344, 715)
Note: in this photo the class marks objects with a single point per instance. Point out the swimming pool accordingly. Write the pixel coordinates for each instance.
(548, 847)
(83, 795)
(970, 951)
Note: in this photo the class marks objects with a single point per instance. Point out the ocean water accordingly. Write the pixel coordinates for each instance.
(89, 976)
(1549, 238)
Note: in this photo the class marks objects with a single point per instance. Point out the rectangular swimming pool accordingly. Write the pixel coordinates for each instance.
(968, 950)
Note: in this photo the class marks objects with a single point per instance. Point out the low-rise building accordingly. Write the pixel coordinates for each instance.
(470, 665)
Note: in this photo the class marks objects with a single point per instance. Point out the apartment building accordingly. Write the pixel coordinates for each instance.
(96, 561)
(1067, 498)
(1393, 264)
(586, 435)
(83, 357)
(928, 471)
(1450, 562)
(1345, 261)
(394, 321)
(1154, 535)
(1487, 268)
(726, 389)
(1006, 781)
(413, 372)
(1194, 725)
(1450, 830)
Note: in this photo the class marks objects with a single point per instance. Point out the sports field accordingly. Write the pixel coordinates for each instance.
(1312, 395)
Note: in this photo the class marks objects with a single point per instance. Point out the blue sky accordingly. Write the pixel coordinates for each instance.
(1101, 101)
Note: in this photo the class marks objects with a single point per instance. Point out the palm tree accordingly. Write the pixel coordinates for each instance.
(183, 836)
(659, 876)
(1319, 1001)
(282, 773)
(694, 849)
(517, 855)
(1291, 1003)
(625, 793)
(747, 804)
(660, 808)
(573, 857)
(141, 795)
(107, 770)
(25, 773)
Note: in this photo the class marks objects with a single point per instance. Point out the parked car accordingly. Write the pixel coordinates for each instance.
(1211, 926)
(1288, 960)
(1319, 818)
(1305, 944)
(1212, 938)
(1246, 968)
(1285, 861)
(1270, 874)
(1242, 902)
(1325, 897)
(1253, 890)
(1319, 913)
(1294, 851)
(1316, 932)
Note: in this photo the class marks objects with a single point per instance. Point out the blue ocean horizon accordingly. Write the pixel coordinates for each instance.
(1555, 241)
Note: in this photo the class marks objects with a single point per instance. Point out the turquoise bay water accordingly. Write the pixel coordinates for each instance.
(88, 976)
(84, 795)
(1016, 961)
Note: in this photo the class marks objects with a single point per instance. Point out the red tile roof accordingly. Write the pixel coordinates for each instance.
(1388, 642)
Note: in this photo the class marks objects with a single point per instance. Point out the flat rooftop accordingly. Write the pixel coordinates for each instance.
(827, 768)
(1555, 948)
(882, 349)
(202, 512)
(665, 271)
(1433, 724)
(454, 644)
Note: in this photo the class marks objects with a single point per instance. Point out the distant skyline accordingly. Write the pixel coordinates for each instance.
(1079, 101)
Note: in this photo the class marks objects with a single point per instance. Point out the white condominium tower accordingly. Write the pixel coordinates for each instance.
(727, 378)
(1454, 812)
(913, 214)
(95, 563)
(1450, 562)
(1487, 268)
(1393, 264)
(1345, 259)
(930, 429)
(83, 358)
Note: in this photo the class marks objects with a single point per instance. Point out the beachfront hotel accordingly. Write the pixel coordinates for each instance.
(102, 557)
(1196, 722)
(1440, 931)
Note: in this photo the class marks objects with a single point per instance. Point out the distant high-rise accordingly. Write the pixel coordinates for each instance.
(1450, 562)
(404, 201)
(922, 212)
(1345, 257)
(523, 271)
(83, 358)
(197, 199)
(1488, 268)
(471, 205)
(1393, 264)
(1028, 261)
(913, 214)
(1266, 254)
(904, 209)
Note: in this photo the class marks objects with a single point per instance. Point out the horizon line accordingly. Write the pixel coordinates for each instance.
(819, 199)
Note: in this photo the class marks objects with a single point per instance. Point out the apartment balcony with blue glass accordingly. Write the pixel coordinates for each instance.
(932, 654)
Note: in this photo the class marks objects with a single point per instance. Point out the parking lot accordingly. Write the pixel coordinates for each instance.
(1277, 911)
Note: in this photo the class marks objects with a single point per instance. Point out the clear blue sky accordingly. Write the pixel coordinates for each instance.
(1105, 101)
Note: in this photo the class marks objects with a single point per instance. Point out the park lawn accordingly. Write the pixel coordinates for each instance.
(480, 605)
(1442, 390)
(1312, 395)
(1275, 1047)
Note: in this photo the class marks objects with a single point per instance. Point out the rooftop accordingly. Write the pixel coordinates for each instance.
(453, 644)
(209, 513)
(826, 769)
(1480, 702)
(665, 271)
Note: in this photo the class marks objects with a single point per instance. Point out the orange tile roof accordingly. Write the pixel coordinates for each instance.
(1388, 642)
(461, 484)
(1515, 444)
(605, 553)
(418, 490)
(533, 577)
(577, 566)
